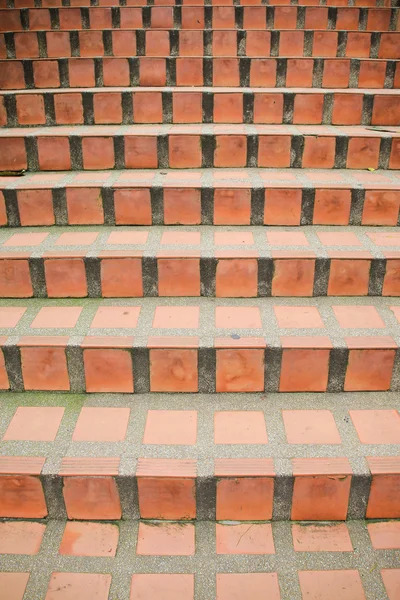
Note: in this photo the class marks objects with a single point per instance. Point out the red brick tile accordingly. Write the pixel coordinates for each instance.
(69, 19)
(347, 18)
(377, 426)
(141, 152)
(316, 17)
(191, 43)
(332, 207)
(107, 108)
(68, 109)
(15, 584)
(178, 277)
(319, 152)
(299, 72)
(182, 206)
(340, 238)
(11, 315)
(237, 317)
(85, 206)
(116, 317)
(232, 207)
(152, 71)
(240, 427)
(268, 108)
(347, 109)
(35, 207)
(173, 370)
(3, 210)
(253, 16)
(124, 43)
(167, 539)
(147, 107)
(26, 45)
(321, 489)
(89, 539)
(98, 153)
(349, 277)
(56, 317)
(54, 154)
(230, 151)
(263, 72)
(44, 368)
(64, 586)
(391, 580)
(248, 586)
(236, 278)
(310, 427)
(192, 17)
(391, 282)
(389, 46)
(100, 18)
(383, 500)
(293, 277)
(132, 207)
(121, 277)
(384, 535)
(369, 370)
(325, 43)
(21, 537)
(378, 19)
(358, 44)
(285, 17)
(81, 72)
(21, 496)
(91, 43)
(15, 279)
(76, 238)
(287, 238)
(385, 111)
(336, 73)
(282, 207)
(96, 424)
(187, 107)
(223, 17)
(30, 110)
(189, 71)
(65, 278)
(162, 17)
(157, 43)
(394, 160)
(12, 75)
(308, 108)
(357, 317)
(274, 151)
(92, 498)
(321, 538)
(304, 370)
(171, 427)
(363, 153)
(228, 108)
(244, 498)
(176, 317)
(297, 317)
(58, 44)
(148, 586)
(25, 239)
(224, 43)
(131, 18)
(372, 74)
(226, 72)
(13, 154)
(328, 585)
(115, 71)
(291, 43)
(167, 498)
(240, 370)
(242, 539)
(184, 151)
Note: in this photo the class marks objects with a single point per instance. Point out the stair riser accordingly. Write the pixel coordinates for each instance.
(208, 71)
(127, 107)
(207, 206)
(189, 17)
(90, 44)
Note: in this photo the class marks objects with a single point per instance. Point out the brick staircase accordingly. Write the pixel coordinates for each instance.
(199, 300)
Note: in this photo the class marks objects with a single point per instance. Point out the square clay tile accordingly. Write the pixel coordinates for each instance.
(245, 538)
(185, 238)
(173, 586)
(170, 427)
(167, 539)
(77, 238)
(377, 426)
(97, 424)
(385, 535)
(319, 537)
(310, 427)
(11, 315)
(116, 317)
(331, 585)
(237, 317)
(89, 539)
(391, 580)
(21, 537)
(386, 238)
(176, 317)
(240, 427)
(56, 317)
(233, 238)
(13, 585)
(71, 586)
(26, 239)
(35, 423)
(338, 238)
(248, 586)
(287, 238)
(128, 237)
(358, 317)
(298, 317)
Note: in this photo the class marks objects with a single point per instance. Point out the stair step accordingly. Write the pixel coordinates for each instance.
(199, 344)
(208, 105)
(10, 4)
(192, 197)
(193, 146)
(307, 457)
(201, 17)
(198, 72)
(188, 42)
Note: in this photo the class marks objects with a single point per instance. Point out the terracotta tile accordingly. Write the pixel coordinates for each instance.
(176, 317)
(383, 500)
(34, 424)
(189, 71)
(299, 72)
(391, 580)
(347, 109)
(44, 369)
(182, 206)
(223, 17)
(230, 151)
(240, 427)
(13, 154)
(178, 277)
(248, 586)
(232, 207)
(56, 317)
(358, 317)
(77, 238)
(233, 238)
(187, 107)
(188, 238)
(226, 72)
(244, 539)
(310, 427)
(108, 370)
(325, 43)
(224, 43)
(349, 277)
(268, 108)
(171, 498)
(26, 45)
(193, 17)
(131, 18)
(98, 153)
(240, 370)
(363, 153)
(171, 427)
(147, 107)
(274, 151)
(336, 73)
(319, 152)
(332, 207)
(321, 537)
(58, 44)
(68, 109)
(298, 317)
(291, 43)
(121, 277)
(168, 539)
(237, 317)
(184, 151)
(381, 207)
(304, 370)
(11, 315)
(385, 111)
(173, 370)
(25, 239)
(308, 108)
(262, 72)
(81, 72)
(116, 317)
(384, 535)
(100, 18)
(372, 74)
(316, 17)
(30, 110)
(132, 207)
(21, 537)
(85, 206)
(97, 424)
(12, 76)
(328, 585)
(54, 154)
(245, 498)
(13, 585)
(35, 207)
(116, 71)
(15, 279)
(287, 238)
(377, 426)
(89, 539)
(67, 586)
(293, 277)
(391, 279)
(161, 17)
(347, 18)
(155, 585)
(389, 238)
(236, 278)
(228, 108)
(92, 498)
(369, 370)
(65, 278)
(107, 108)
(21, 496)
(282, 207)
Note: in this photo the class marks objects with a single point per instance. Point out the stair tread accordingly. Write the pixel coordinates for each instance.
(209, 89)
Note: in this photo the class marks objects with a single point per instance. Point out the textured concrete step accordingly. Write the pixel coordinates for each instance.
(237, 458)
(200, 17)
(207, 196)
(202, 561)
(192, 42)
(207, 105)
(176, 146)
(196, 72)
(200, 345)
